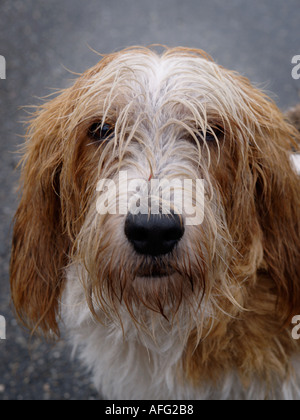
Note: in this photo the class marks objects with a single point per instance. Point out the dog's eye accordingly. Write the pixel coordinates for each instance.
(210, 136)
(100, 132)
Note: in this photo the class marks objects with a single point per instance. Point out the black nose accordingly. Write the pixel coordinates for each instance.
(155, 234)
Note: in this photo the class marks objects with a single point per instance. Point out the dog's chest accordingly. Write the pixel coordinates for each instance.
(126, 365)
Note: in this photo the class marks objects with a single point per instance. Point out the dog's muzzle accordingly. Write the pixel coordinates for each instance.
(154, 234)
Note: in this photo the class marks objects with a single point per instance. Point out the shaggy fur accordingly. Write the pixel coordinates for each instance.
(216, 324)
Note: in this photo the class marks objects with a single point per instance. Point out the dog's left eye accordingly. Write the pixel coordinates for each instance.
(100, 132)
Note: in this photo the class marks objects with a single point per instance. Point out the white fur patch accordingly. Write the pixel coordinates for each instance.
(296, 162)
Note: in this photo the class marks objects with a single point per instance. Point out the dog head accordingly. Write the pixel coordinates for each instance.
(175, 116)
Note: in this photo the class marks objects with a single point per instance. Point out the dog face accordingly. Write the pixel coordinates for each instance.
(175, 116)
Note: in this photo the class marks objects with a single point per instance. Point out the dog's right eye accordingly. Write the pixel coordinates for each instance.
(100, 132)
(216, 133)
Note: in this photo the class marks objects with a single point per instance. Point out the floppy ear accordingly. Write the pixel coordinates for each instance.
(49, 208)
(39, 245)
(278, 205)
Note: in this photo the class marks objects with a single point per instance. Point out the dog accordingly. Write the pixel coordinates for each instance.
(155, 307)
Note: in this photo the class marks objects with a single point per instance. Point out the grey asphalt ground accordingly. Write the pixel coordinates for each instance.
(40, 40)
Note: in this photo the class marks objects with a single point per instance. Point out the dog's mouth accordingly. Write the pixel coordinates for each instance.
(155, 269)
